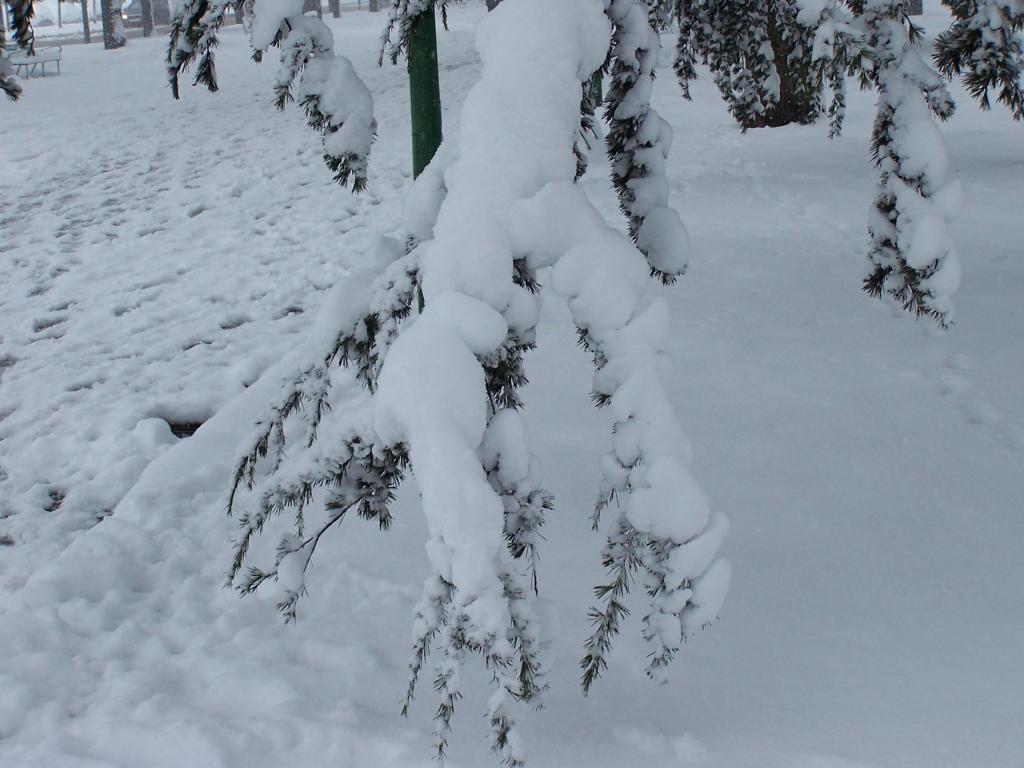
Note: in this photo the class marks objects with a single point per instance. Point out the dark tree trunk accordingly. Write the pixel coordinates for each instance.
(86, 35)
(147, 18)
(374, 6)
(492, 4)
(335, 6)
(797, 101)
(113, 27)
(239, 12)
(313, 5)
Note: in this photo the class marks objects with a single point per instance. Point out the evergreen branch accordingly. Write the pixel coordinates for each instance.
(637, 141)
(504, 374)
(430, 616)
(193, 36)
(401, 18)
(359, 479)
(685, 63)
(621, 559)
(20, 14)
(362, 347)
(983, 46)
(589, 101)
(447, 687)
(898, 72)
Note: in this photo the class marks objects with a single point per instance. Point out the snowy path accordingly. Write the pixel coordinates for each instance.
(160, 262)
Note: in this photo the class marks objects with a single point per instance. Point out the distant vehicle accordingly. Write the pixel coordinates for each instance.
(131, 13)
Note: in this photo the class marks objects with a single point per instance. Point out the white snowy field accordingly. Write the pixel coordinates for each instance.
(158, 257)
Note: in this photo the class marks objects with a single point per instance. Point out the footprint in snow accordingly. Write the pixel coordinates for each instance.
(976, 409)
(41, 324)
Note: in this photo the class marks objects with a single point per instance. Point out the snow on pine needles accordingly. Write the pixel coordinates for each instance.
(155, 256)
(444, 385)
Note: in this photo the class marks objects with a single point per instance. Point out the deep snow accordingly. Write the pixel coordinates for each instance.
(157, 257)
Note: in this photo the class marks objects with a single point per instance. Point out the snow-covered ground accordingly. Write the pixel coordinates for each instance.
(157, 257)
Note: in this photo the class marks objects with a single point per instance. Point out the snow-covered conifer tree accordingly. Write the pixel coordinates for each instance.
(425, 372)
(337, 103)
(19, 14)
(912, 257)
(765, 57)
(984, 45)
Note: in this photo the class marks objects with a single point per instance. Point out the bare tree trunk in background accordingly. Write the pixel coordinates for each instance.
(915, 7)
(147, 18)
(113, 25)
(239, 12)
(335, 6)
(313, 5)
(86, 35)
(373, 6)
(161, 12)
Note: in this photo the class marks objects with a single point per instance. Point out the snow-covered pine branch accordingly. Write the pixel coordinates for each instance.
(19, 18)
(19, 15)
(337, 103)
(9, 82)
(984, 45)
(912, 256)
(687, 53)
(639, 139)
(394, 39)
(836, 49)
(431, 354)
(732, 39)
(663, 530)
(770, 60)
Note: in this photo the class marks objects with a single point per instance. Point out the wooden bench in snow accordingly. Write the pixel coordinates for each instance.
(27, 65)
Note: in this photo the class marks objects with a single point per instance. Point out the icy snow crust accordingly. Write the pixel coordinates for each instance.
(844, 643)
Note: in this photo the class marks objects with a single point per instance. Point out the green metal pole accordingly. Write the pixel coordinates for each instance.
(596, 90)
(424, 91)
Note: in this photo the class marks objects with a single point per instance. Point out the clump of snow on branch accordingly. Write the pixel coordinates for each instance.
(731, 37)
(436, 335)
(836, 47)
(913, 259)
(744, 42)
(19, 20)
(639, 139)
(19, 17)
(394, 40)
(663, 531)
(337, 103)
(985, 45)
(9, 82)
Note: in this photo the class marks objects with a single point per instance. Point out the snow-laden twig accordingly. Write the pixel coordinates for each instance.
(337, 103)
(19, 16)
(912, 257)
(639, 139)
(436, 337)
(985, 45)
(662, 516)
(771, 61)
